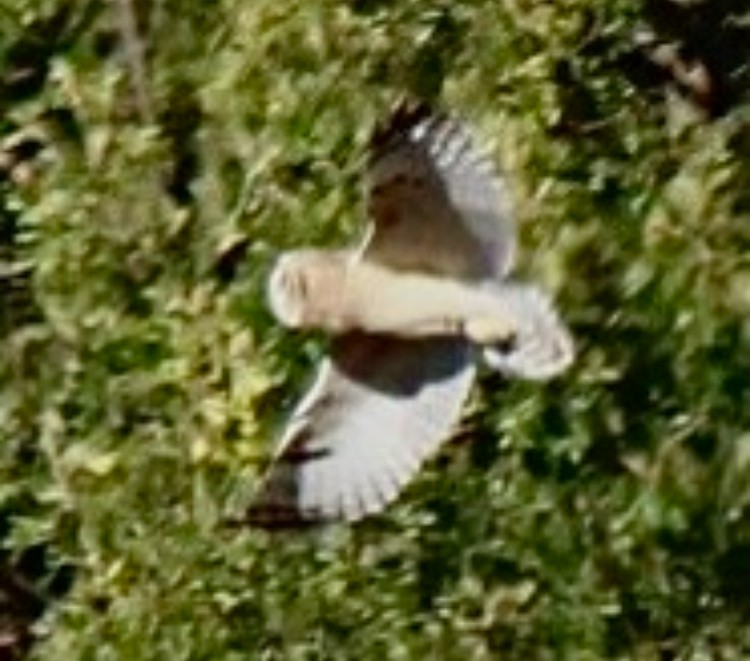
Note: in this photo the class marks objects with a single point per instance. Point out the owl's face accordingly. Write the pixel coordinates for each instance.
(306, 286)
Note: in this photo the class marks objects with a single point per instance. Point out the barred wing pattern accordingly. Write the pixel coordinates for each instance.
(437, 205)
(378, 408)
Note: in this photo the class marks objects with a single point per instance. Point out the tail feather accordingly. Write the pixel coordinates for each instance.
(543, 346)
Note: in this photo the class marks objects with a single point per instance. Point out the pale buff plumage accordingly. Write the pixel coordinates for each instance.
(335, 292)
(407, 311)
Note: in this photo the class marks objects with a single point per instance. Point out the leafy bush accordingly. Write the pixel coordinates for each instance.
(154, 160)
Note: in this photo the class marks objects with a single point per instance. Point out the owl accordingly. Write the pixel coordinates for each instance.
(411, 312)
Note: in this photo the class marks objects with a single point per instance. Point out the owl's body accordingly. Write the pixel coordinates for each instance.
(409, 312)
(343, 295)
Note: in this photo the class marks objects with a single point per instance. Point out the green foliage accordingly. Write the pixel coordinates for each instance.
(144, 193)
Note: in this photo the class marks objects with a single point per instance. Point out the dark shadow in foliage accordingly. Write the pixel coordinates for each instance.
(28, 583)
(367, 7)
(25, 62)
(740, 145)
(17, 303)
(439, 566)
(180, 122)
(733, 570)
(436, 57)
(24, 68)
(230, 258)
(420, 69)
(29, 579)
(710, 40)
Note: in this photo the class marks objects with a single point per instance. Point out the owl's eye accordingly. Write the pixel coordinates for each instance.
(293, 284)
(299, 286)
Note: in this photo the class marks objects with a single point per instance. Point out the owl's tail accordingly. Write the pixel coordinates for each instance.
(542, 346)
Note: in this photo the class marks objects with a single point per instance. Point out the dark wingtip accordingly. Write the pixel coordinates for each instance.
(405, 115)
(272, 519)
(278, 517)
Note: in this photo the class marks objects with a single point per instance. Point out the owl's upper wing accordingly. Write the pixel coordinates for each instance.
(379, 407)
(436, 204)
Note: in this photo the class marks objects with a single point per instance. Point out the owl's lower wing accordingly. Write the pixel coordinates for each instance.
(543, 346)
(379, 407)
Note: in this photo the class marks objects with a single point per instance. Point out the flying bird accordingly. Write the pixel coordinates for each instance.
(410, 311)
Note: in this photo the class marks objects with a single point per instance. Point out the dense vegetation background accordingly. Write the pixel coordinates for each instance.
(155, 156)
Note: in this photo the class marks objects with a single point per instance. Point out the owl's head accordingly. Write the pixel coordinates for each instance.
(303, 286)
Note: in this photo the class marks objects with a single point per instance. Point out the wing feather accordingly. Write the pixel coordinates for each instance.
(543, 346)
(437, 204)
(378, 409)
